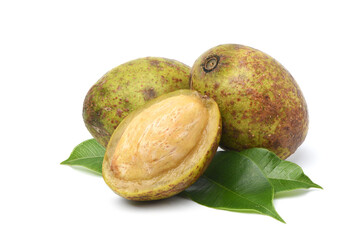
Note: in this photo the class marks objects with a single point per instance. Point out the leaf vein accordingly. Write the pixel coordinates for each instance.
(237, 194)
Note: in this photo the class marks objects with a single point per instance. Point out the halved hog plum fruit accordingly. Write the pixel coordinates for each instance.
(163, 147)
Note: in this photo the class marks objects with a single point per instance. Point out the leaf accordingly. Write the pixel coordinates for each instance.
(233, 182)
(88, 154)
(283, 175)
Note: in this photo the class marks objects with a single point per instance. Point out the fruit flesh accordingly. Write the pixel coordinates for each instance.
(127, 87)
(260, 102)
(162, 147)
(159, 138)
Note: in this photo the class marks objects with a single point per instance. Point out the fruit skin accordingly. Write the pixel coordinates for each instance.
(127, 87)
(178, 184)
(260, 102)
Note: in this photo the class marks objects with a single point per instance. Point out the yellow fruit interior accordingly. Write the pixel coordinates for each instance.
(159, 138)
(162, 145)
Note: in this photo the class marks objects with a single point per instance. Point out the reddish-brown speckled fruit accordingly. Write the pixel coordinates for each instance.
(260, 102)
(127, 87)
(163, 147)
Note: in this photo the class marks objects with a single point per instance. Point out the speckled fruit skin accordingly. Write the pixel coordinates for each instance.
(260, 102)
(127, 87)
(179, 183)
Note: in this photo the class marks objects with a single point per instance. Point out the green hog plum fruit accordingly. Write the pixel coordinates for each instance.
(163, 147)
(260, 102)
(127, 87)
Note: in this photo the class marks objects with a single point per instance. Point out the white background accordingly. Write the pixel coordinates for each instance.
(52, 52)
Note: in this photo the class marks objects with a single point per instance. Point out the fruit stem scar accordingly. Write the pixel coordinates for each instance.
(210, 63)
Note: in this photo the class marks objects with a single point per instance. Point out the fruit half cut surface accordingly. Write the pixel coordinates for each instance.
(163, 147)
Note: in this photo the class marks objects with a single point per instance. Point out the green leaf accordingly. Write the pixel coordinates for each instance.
(283, 175)
(234, 182)
(88, 154)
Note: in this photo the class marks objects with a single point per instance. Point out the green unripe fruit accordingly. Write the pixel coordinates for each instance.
(260, 102)
(127, 87)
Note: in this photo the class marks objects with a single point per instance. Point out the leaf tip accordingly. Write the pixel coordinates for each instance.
(278, 217)
(64, 162)
(281, 220)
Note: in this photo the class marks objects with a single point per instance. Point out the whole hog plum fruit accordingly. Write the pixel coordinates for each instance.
(127, 87)
(260, 102)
